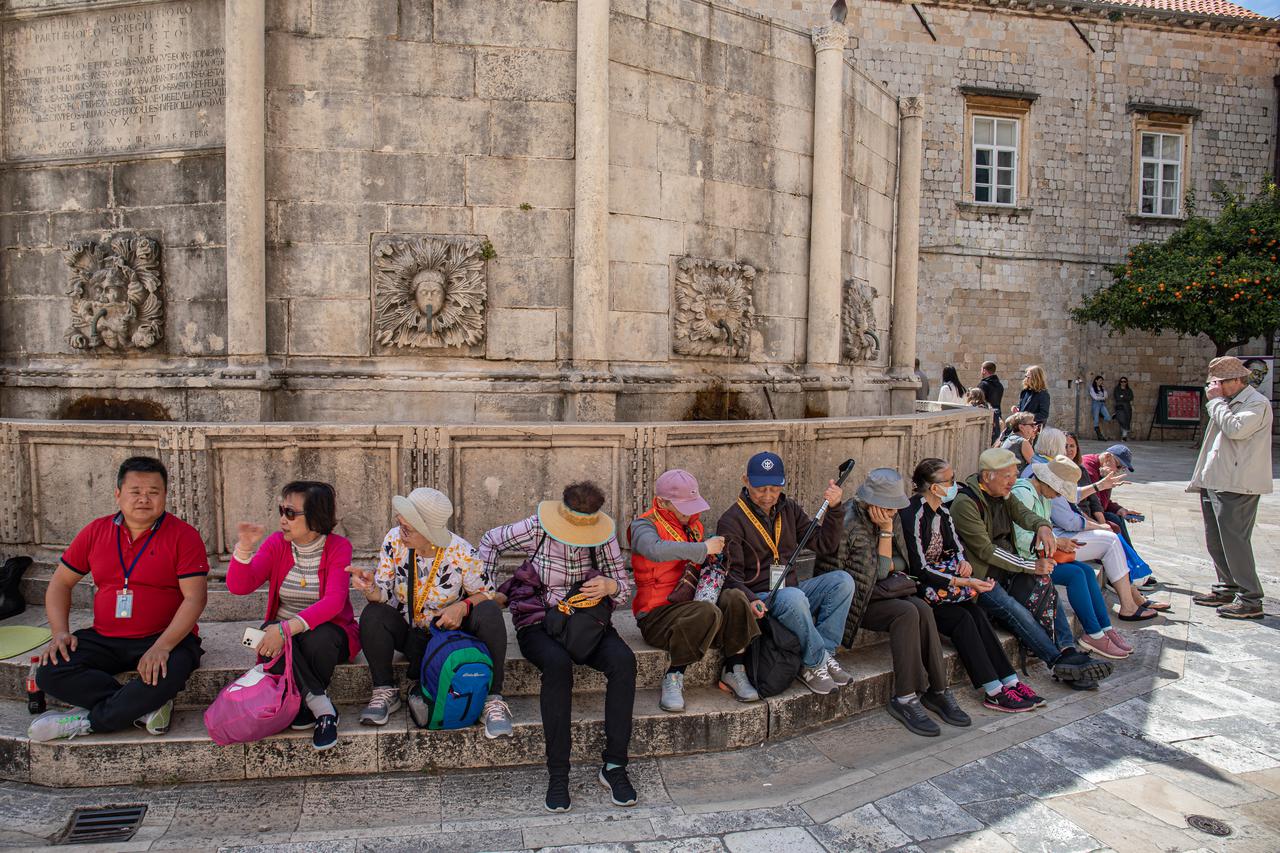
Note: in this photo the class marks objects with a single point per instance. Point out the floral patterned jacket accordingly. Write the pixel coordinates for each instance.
(459, 574)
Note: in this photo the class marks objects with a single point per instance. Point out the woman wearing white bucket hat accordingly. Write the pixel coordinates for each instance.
(450, 587)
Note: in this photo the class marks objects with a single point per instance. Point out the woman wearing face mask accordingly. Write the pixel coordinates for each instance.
(936, 557)
(304, 565)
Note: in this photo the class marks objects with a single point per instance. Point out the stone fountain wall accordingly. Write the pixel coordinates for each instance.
(423, 249)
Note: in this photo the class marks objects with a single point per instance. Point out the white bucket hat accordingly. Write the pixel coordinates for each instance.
(1060, 474)
(427, 511)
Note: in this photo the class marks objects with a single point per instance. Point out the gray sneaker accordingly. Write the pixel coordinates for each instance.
(418, 707)
(817, 679)
(385, 702)
(735, 682)
(55, 725)
(838, 675)
(158, 721)
(672, 692)
(497, 717)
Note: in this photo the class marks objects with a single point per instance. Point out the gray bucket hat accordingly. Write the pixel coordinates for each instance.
(883, 488)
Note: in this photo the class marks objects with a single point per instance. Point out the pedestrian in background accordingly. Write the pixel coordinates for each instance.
(1122, 400)
(1232, 472)
(952, 389)
(1098, 406)
(1035, 394)
(993, 390)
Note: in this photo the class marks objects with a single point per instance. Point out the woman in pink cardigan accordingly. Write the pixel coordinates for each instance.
(305, 566)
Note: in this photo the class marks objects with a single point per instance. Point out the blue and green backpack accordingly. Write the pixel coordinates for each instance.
(456, 674)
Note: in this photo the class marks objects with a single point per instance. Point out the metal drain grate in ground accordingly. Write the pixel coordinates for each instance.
(102, 823)
(1211, 825)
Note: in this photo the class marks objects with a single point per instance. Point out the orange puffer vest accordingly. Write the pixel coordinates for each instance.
(655, 581)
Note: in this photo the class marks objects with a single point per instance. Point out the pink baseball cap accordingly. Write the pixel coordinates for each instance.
(681, 489)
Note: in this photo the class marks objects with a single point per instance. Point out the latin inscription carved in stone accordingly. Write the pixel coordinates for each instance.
(714, 314)
(115, 81)
(859, 340)
(430, 291)
(116, 300)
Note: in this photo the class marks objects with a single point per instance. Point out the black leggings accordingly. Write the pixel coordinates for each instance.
(615, 659)
(384, 631)
(966, 625)
(316, 654)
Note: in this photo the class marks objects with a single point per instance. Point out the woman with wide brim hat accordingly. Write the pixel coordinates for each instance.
(570, 550)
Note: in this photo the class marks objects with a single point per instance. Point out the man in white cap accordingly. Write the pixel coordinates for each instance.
(1233, 471)
(427, 573)
(668, 552)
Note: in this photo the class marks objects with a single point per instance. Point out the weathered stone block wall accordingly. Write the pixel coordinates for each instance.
(56, 477)
(1008, 281)
(52, 194)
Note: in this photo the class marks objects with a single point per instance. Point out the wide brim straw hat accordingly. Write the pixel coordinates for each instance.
(1060, 474)
(578, 529)
(428, 512)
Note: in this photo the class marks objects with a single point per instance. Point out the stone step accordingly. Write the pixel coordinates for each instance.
(225, 659)
(712, 721)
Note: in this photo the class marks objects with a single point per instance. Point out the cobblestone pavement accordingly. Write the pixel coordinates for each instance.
(1189, 725)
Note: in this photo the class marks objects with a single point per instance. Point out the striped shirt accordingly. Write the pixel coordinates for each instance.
(559, 565)
(301, 586)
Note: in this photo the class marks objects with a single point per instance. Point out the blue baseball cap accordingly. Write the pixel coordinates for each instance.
(1123, 454)
(765, 469)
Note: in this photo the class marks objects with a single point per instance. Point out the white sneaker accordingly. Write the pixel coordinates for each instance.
(817, 679)
(672, 698)
(54, 725)
(837, 673)
(497, 717)
(158, 721)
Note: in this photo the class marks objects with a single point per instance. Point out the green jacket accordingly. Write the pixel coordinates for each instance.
(986, 527)
(1024, 492)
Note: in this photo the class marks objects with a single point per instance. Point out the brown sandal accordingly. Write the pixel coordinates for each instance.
(1158, 606)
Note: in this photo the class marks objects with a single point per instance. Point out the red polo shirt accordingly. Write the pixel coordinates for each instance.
(106, 549)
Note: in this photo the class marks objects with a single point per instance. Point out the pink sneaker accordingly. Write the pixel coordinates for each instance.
(1116, 637)
(1023, 690)
(1103, 646)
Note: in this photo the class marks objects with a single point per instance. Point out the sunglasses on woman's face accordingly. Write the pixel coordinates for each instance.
(290, 513)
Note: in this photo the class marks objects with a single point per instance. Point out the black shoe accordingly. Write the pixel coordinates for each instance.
(619, 785)
(326, 733)
(1149, 581)
(1073, 666)
(558, 795)
(912, 715)
(1083, 684)
(304, 720)
(943, 703)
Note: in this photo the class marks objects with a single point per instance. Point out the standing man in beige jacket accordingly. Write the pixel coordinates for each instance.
(1233, 471)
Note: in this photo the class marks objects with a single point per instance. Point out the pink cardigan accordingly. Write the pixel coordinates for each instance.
(274, 560)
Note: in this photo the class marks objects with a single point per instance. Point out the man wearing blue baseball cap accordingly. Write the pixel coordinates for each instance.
(760, 532)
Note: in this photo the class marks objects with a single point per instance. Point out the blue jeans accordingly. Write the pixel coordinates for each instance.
(815, 612)
(1084, 594)
(1002, 607)
(1100, 411)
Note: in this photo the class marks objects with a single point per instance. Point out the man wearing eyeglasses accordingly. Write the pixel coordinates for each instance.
(150, 571)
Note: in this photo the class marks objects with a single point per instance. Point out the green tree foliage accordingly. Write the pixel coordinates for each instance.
(1214, 277)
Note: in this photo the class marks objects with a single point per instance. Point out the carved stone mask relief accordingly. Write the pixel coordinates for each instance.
(430, 291)
(115, 289)
(859, 341)
(713, 310)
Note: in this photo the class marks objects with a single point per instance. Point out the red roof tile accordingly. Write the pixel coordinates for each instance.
(1195, 7)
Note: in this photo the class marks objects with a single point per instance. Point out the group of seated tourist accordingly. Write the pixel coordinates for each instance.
(947, 560)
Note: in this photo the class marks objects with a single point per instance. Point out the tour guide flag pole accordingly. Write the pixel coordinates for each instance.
(845, 470)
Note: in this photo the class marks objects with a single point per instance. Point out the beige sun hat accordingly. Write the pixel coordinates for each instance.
(1228, 367)
(1060, 474)
(579, 529)
(427, 511)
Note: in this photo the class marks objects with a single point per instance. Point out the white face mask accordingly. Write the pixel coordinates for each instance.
(949, 494)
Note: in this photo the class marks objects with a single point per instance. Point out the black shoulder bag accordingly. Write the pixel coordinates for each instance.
(579, 629)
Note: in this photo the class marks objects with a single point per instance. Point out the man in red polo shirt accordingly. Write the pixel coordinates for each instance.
(150, 569)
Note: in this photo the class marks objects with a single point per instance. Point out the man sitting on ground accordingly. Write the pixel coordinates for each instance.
(760, 532)
(150, 572)
(985, 516)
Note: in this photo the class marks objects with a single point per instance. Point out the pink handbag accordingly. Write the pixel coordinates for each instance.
(256, 705)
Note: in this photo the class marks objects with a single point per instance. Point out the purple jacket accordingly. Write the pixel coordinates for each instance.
(524, 596)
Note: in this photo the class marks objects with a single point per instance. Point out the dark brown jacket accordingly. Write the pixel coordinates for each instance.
(749, 558)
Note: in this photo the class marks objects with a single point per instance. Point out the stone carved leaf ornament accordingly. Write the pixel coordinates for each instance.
(115, 290)
(714, 313)
(430, 292)
(859, 341)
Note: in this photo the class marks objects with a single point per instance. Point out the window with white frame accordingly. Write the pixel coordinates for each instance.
(995, 160)
(1160, 190)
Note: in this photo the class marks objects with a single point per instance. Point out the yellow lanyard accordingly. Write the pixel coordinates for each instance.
(771, 541)
(420, 608)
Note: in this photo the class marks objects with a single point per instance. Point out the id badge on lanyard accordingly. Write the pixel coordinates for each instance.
(775, 574)
(124, 598)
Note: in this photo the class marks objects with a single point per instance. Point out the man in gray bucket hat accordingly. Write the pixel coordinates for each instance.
(873, 550)
(1233, 471)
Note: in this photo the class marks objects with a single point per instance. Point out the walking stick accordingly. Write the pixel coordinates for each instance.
(845, 470)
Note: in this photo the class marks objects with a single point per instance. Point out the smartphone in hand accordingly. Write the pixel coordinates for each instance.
(251, 638)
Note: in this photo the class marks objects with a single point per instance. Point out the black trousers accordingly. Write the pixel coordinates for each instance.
(615, 659)
(88, 679)
(316, 654)
(918, 665)
(966, 625)
(383, 632)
